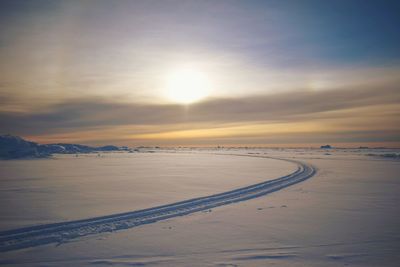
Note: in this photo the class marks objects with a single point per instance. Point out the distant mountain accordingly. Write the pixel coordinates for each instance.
(13, 147)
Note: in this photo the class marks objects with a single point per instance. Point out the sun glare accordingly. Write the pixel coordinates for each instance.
(186, 86)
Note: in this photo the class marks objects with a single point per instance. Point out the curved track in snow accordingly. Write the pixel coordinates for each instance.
(64, 231)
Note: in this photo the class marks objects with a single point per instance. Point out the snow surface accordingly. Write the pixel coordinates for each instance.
(345, 215)
(68, 188)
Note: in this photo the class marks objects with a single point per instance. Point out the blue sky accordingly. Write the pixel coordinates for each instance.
(325, 31)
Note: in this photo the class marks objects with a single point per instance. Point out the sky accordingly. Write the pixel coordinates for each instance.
(201, 73)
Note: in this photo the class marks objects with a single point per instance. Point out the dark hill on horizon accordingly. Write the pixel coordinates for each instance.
(15, 147)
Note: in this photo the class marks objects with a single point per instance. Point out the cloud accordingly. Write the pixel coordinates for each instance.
(351, 109)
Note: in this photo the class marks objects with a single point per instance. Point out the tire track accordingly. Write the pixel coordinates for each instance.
(64, 231)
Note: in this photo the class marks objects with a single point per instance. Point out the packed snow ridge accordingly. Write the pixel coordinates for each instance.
(14, 147)
(64, 231)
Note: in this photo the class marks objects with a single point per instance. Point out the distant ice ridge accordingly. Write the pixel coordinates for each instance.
(14, 147)
(386, 155)
(64, 231)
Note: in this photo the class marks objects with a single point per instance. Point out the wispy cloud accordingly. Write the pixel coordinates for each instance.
(358, 110)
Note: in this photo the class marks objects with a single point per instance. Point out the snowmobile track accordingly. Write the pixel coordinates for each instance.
(64, 231)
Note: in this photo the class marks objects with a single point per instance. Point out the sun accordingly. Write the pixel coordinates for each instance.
(186, 86)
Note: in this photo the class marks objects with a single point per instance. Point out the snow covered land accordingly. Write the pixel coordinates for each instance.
(328, 207)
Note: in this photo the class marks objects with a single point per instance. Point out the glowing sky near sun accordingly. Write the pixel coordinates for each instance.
(201, 72)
